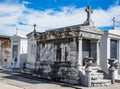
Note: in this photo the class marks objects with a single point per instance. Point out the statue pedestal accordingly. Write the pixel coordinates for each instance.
(113, 69)
(88, 77)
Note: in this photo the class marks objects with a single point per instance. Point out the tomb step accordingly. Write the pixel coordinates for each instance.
(96, 68)
(118, 79)
(11, 69)
(97, 76)
(100, 82)
(93, 68)
(96, 71)
(7, 69)
(27, 71)
(16, 70)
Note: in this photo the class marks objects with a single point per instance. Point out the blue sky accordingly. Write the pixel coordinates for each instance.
(56, 4)
(49, 14)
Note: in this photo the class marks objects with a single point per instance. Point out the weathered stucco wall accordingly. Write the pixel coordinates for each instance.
(48, 52)
(4, 51)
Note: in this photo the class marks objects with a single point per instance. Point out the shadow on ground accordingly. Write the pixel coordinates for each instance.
(35, 80)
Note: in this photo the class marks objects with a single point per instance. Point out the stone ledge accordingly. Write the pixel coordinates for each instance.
(98, 83)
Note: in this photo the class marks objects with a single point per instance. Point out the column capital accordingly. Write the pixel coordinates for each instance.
(80, 37)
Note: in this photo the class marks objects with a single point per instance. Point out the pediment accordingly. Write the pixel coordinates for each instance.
(17, 36)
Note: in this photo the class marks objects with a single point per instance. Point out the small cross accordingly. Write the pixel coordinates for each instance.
(114, 21)
(89, 11)
(34, 27)
(16, 31)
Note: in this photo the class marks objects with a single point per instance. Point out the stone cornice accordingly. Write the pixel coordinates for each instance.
(55, 41)
(64, 33)
(56, 35)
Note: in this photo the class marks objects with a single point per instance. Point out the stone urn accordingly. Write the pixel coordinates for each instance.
(88, 61)
(113, 63)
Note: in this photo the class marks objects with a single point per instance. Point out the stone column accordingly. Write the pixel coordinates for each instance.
(0, 53)
(62, 52)
(88, 76)
(119, 57)
(107, 54)
(80, 52)
(119, 51)
(18, 56)
(0, 50)
(108, 48)
(98, 52)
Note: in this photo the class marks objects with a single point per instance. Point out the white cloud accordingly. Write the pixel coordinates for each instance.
(103, 18)
(12, 15)
(25, 2)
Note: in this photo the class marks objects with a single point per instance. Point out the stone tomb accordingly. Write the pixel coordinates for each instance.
(18, 51)
(110, 49)
(59, 54)
(4, 51)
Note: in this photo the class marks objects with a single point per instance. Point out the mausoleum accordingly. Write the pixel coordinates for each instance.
(110, 48)
(69, 54)
(18, 51)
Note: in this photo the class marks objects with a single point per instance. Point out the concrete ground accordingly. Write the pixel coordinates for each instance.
(6, 86)
(15, 81)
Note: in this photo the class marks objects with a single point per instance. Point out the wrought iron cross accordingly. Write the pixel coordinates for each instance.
(89, 12)
(114, 21)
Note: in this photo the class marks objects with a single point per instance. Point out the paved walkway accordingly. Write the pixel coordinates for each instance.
(115, 86)
(10, 81)
(7, 86)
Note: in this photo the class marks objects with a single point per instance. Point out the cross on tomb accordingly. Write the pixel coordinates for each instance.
(89, 12)
(114, 21)
(34, 27)
(16, 31)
